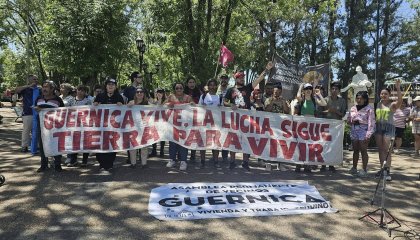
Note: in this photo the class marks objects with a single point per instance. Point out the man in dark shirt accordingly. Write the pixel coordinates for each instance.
(110, 96)
(29, 92)
(136, 81)
(239, 96)
(47, 100)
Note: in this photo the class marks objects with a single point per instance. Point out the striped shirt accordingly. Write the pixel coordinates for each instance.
(400, 117)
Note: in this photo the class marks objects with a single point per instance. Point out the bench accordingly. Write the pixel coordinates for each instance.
(18, 111)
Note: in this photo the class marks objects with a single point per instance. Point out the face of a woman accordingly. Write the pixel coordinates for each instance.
(307, 92)
(140, 94)
(277, 92)
(63, 90)
(179, 89)
(191, 84)
(360, 100)
(212, 87)
(384, 95)
(110, 87)
(81, 94)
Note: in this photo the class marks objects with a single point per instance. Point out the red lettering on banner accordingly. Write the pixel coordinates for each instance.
(302, 151)
(81, 118)
(110, 137)
(60, 116)
(176, 117)
(232, 139)
(91, 140)
(179, 134)
(146, 117)
(76, 140)
(314, 130)
(213, 136)
(49, 119)
(257, 149)
(71, 118)
(224, 123)
(294, 126)
(195, 123)
(95, 117)
(244, 128)
(106, 117)
(254, 125)
(325, 131)
(208, 118)
(303, 134)
(61, 141)
(114, 122)
(273, 148)
(315, 151)
(288, 152)
(130, 139)
(149, 133)
(285, 130)
(234, 122)
(128, 119)
(194, 137)
(266, 127)
(166, 114)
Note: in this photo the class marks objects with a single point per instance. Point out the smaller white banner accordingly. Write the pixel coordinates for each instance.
(186, 201)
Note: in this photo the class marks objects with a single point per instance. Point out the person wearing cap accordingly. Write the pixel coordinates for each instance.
(239, 96)
(29, 93)
(335, 109)
(415, 117)
(139, 99)
(160, 98)
(385, 128)
(400, 119)
(308, 103)
(110, 96)
(47, 100)
(136, 81)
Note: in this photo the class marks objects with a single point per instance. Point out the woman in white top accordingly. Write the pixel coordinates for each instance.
(210, 99)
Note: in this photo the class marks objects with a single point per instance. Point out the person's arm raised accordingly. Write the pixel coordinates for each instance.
(261, 76)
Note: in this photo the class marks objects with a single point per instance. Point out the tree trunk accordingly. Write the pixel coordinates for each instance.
(231, 5)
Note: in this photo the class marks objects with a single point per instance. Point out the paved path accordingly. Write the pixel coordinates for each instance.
(82, 204)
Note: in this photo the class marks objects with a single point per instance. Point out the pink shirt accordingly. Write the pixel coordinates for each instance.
(365, 116)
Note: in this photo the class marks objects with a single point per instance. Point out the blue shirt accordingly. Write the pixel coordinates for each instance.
(28, 100)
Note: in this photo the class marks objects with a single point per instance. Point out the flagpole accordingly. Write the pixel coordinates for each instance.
(215, 72)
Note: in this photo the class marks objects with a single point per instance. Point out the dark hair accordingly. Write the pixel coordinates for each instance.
(177, 83)
(83, 88)
(97, 87)
(51, 84)
(365, 96)
(211, 80)
(319, 86)
(386, 88)
(134, 75)
(335, 84)
(195, 92)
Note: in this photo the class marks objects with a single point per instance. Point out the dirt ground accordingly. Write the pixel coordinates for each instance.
(80, 203)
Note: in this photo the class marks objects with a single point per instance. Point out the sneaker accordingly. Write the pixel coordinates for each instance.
(232, 165)
(388, 178)
(183, 166)
(245, 165)
(362, 173)
(153, 153)
(323, 168)
(307, 169)
(42, 169)
(72, 164)
(261, 163)
(331, 168)
(350, 147)
(353, 171)
(297, 169)
(378, 174)
(396, 151)
(24, 149)
(171, 164)
(68, 160)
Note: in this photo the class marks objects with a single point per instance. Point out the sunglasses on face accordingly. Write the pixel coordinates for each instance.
(139, 92)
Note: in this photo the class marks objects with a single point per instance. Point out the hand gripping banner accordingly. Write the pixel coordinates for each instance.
(270, 136)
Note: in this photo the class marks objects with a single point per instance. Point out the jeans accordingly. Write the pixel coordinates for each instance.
(174, 148)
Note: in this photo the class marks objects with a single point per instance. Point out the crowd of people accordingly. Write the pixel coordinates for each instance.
(385, 123)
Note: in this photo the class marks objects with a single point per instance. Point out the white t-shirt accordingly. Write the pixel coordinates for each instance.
(209, 100)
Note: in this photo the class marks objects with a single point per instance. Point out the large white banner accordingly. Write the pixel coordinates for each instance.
(276, 137)
(186, 201)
